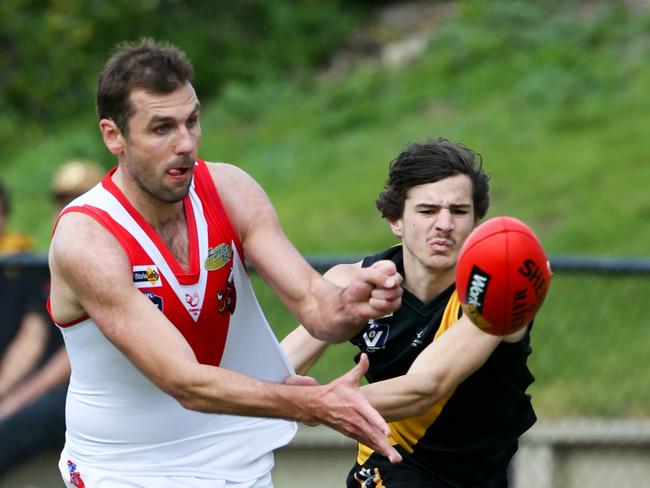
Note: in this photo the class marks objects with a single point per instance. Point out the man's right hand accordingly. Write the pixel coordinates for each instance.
(344, 408)
(372, 292)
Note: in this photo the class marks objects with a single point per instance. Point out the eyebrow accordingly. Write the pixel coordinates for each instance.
(435, 205)
(165, 118)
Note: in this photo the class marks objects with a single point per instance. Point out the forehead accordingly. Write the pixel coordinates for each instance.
(180, 102)
(453, 190)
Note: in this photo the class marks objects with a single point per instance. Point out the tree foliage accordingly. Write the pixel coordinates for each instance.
(52, 50)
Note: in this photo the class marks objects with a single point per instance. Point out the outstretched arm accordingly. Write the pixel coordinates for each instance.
(146, 337)
(327, 311)
(439, 368)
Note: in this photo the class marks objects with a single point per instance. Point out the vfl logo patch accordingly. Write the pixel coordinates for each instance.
(155, 299)
(146, 276)
(218, 257)
(375, 336)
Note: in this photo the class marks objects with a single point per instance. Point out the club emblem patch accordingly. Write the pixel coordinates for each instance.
(227, 296)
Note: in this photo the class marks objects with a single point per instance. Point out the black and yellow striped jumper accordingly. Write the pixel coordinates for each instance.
(467, 438)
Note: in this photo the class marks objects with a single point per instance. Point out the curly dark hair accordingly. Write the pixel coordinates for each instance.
(159, 68)
(429, 162)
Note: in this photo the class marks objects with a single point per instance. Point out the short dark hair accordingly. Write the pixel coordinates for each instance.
(159, 68)
(429, 162)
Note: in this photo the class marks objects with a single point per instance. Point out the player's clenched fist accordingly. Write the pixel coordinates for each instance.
(373, 292)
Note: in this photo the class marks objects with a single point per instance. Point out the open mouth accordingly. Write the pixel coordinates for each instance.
(178, 172)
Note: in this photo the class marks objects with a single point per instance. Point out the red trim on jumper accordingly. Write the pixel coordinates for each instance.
(63, 325)
(185, 278)
(103, 218)
(203, 180)
(106, 221)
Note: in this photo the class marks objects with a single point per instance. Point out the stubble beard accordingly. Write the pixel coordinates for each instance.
(159, 192)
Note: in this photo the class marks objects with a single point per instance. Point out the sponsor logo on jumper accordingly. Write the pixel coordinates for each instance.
(155, 299)
(227, 296)
(146, 276)
(478, 285)
(375, 336)
(218, 257)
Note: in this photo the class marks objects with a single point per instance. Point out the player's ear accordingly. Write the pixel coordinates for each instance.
(397, 227)
(112, 135)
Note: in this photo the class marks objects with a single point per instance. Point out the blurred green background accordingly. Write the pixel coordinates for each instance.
(314, 99)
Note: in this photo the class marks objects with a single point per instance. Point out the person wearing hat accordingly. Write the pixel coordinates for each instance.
(74, 178)
(35, 369)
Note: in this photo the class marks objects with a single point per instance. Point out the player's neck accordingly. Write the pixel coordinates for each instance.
(166, 219)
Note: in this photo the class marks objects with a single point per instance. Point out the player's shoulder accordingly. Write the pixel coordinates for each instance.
(231, 180)
(393, 254)
(226, 171)
(80, 240)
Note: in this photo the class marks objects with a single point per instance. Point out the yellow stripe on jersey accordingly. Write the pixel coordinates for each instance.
(408, 432)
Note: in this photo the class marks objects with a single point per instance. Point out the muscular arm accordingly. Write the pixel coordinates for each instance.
(329, 312)
(439, 368)
(302, 349)
(145, 336)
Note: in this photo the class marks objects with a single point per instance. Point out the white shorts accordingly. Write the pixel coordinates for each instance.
(76, 477)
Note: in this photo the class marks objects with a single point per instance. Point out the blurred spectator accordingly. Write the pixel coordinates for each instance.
(10, 242)
(34, 367)
(74, 178)
(22, 331)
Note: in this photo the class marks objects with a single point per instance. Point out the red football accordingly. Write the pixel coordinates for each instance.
(502, 275)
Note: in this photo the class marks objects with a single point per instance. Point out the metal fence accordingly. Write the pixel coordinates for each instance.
(591, 361)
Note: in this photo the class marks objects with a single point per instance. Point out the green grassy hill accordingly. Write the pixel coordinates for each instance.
(556, 104)
(556, 101)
